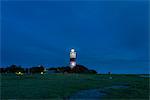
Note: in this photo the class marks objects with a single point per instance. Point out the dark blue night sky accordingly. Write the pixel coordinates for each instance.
(107, 35)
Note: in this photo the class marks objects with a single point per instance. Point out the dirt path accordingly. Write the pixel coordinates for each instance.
(92, 94)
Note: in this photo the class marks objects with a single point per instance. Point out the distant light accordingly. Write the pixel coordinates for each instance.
(19, 73)
(72, 50)
(42, 73)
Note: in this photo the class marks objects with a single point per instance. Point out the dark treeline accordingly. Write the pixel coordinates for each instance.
(15, 68)
(39, 69)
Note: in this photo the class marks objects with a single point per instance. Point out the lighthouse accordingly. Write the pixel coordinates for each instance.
(72, 58)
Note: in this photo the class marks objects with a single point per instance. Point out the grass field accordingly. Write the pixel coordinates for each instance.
(61, 86)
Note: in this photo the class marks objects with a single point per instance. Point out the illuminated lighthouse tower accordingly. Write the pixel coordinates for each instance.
(72, 58)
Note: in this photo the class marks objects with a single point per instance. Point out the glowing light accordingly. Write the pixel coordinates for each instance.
(72, 64)
(72, 50)
(42, 73)
(19, 73)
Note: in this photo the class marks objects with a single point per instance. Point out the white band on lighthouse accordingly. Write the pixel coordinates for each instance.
(72, 53)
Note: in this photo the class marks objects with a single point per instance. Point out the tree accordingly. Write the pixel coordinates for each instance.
(14, 68)
(2, 70)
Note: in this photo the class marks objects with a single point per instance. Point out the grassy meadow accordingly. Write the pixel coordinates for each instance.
(61, 86)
